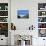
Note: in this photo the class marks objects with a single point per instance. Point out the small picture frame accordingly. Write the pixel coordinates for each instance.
(21, 14)
(42, 33)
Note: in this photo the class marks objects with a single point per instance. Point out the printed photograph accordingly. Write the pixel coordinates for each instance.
(42, 33)
(22, 13)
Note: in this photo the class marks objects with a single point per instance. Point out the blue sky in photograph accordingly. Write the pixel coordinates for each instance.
(22, 12)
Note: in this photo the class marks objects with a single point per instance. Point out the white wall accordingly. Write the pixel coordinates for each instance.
(32, 6)
(23, 24)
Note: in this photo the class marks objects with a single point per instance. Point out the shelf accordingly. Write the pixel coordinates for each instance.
(41, 22)
(41, 19)
(42, 16)
(3, 10)
(4, 19)
(41, 10)
(3, 16)
(3, 22)
(41, 28)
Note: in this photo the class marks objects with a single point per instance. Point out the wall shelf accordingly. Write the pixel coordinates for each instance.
(42, 16)
(42, 10)
(3, 22)
(41, 28)
(4, 19)
(41, 22)
(3, 16)
(3, 10)
(41, 19)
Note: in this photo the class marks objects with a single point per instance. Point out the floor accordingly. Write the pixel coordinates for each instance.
(3, 45)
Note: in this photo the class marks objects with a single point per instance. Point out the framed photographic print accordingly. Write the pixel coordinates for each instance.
(42, 33)
(41, 6)
(3, 19)
(22, 14)
(4, 29)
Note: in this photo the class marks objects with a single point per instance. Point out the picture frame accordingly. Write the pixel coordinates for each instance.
(21, 14)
